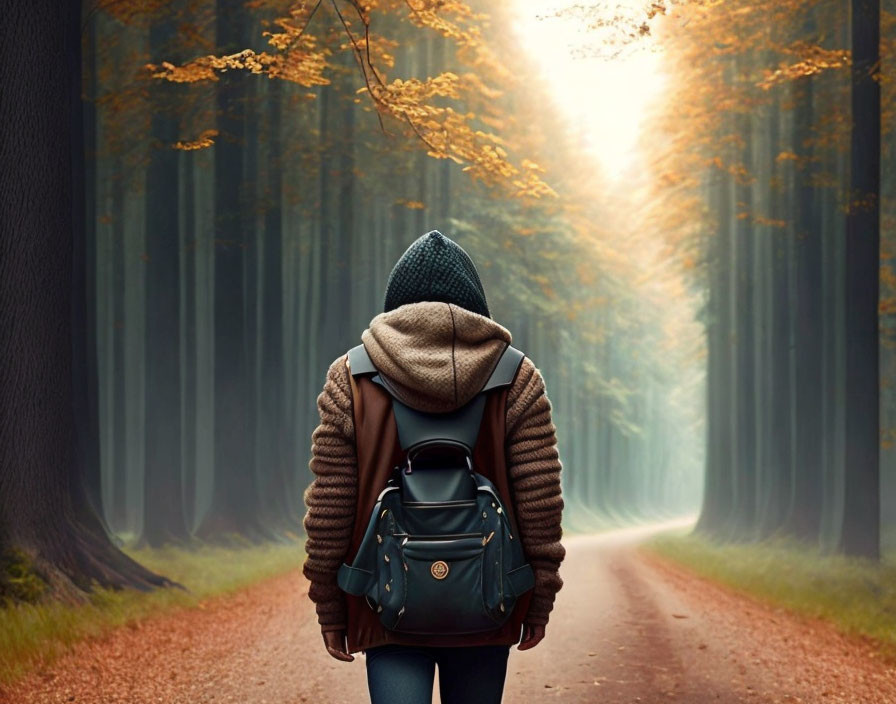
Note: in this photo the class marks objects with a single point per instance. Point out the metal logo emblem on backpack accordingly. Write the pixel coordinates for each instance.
(437, 510)
(439, 569)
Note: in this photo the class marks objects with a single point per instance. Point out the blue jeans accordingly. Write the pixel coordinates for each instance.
(404, 674)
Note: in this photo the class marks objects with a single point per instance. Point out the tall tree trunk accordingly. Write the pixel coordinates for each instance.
(189, 330)
(234, 506)
(781, 440)
(744, 516)
(44, 508)
(805, 509)
(164, 520)
(121, 518)
(716, 489)
(89, 202)
(273, 432)
(861, 510)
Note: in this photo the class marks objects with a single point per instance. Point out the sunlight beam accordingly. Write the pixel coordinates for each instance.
(602, 77)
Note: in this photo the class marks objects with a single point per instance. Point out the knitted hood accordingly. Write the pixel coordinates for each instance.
(435, 356)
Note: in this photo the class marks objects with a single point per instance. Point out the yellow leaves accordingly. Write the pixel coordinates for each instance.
(760, 220)
(813, 59)
(302, 65)
(205, 139)
(452, 19)
(205, 67)
(446, 132)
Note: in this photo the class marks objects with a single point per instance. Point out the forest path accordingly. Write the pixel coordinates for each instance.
(626, 627)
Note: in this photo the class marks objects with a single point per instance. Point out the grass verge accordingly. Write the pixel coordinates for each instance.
(35, 634)
(855, 595)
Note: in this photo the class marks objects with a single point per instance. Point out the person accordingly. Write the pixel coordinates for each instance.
(436, 344)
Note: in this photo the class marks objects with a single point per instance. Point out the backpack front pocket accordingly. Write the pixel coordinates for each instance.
(444, 587)
(450, 516)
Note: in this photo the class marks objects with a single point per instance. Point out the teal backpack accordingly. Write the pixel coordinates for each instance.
(439, 556)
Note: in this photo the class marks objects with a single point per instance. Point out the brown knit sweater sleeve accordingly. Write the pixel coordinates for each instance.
(533, 464)
(331, 497)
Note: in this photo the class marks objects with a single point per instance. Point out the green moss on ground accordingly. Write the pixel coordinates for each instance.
(18, 580)
(35, 631)
(855, 595)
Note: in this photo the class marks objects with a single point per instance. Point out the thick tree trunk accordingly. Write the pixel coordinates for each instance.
(88, 202)
(861, 510)
(44, 508)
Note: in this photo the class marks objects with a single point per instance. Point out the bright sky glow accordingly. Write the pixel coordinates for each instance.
(604, 97)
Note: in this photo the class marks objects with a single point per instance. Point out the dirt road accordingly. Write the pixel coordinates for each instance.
(625, 628)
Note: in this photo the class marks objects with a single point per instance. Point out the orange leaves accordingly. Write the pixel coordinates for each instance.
(420, 104)
(813, 59)
(205, 139)
(407, 97)
(302, 67)
(737, 169)
(531, 165)
(449, 134)
(448, 18)
(293, 28)
(205, 68)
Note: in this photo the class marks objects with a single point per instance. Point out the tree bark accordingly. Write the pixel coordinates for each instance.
(861, 510)
(44, 508)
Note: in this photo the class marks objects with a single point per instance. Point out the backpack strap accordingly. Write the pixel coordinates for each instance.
(359, 361)
(505, 370)
(502, 375)
(460, 425)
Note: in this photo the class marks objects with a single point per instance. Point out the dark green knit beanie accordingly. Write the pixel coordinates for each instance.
(435, 268)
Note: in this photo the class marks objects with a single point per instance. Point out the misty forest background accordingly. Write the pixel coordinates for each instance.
(252, 170)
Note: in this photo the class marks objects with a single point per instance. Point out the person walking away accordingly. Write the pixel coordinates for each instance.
(436, 345)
